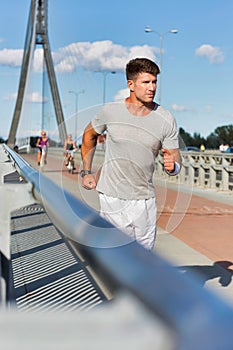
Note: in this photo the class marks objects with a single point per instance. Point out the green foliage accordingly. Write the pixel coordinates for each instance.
(225, 134)
(188, 140)
(185, 138)
(222, 134)
(212, 141)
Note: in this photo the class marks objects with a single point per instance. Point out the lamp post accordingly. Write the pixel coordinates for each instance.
(161, 36)
(76, 109)
(105, 73)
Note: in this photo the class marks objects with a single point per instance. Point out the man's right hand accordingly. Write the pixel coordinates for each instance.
(89, 182)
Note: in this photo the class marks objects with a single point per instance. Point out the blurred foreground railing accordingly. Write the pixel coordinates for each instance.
(196, 318)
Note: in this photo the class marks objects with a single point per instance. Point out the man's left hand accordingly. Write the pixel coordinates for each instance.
(168, 160)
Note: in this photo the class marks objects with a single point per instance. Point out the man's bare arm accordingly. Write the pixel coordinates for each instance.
(88, 146)
(87, 151)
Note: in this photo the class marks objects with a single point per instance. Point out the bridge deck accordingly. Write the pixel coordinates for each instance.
(194, 225)
(196, 236)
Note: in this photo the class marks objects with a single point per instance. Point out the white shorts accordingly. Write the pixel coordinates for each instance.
(137, 218)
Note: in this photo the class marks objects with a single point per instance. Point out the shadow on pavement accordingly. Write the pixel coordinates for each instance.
(220, 269)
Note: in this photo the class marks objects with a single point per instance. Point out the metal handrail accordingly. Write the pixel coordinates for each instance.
(201, 320)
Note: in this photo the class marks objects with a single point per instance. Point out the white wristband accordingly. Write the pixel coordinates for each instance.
(175, 171)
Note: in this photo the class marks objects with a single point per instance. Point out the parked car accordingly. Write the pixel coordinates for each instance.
(229, 150)
(192, 149)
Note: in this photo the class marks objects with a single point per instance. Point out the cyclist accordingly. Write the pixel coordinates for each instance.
(69, 145)
(42, 143)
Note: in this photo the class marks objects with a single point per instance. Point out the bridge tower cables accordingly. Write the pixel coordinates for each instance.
(37, 34)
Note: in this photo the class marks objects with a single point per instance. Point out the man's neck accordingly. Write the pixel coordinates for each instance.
(138, 108)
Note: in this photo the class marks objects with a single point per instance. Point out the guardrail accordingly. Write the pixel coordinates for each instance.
(198, 318)
(212, 170)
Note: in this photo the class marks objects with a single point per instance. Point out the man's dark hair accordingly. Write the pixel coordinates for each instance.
(140, 65)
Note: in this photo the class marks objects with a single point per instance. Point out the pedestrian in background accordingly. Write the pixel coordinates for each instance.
(42, 143)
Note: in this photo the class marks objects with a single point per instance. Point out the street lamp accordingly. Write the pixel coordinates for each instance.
(161, 36)
(105, 73)
(76, 108)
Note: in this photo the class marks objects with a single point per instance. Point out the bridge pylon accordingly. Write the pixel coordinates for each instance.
(37, 34)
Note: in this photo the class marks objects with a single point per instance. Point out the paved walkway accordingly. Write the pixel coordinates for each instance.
(194, 225)
(195, 234)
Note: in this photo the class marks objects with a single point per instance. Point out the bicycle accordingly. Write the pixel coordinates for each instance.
(70, 165)
(43, 156)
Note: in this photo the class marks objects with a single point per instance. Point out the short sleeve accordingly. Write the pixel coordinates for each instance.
(171, 138)
(99, 122)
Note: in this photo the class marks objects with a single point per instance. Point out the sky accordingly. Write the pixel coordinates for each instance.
(91, 39)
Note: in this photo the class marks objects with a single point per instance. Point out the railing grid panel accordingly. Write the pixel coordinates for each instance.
(47, 275)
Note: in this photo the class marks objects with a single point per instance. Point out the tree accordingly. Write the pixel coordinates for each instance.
(185, 138)
(224, 134)
(198, 140)
(212, 141)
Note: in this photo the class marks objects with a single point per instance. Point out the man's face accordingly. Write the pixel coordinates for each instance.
(143, 87)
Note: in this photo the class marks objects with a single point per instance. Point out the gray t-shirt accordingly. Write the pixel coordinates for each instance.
(132, 144)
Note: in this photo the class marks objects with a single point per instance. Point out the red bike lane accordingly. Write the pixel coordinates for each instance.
(204, 224)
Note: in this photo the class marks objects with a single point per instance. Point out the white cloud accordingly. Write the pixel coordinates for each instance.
(208, 108)
(99, 55)
(121, 95)
(12, 58)
(212, 53)
(10, 97)
(179, 108)
(36, 97)
(38, 60)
